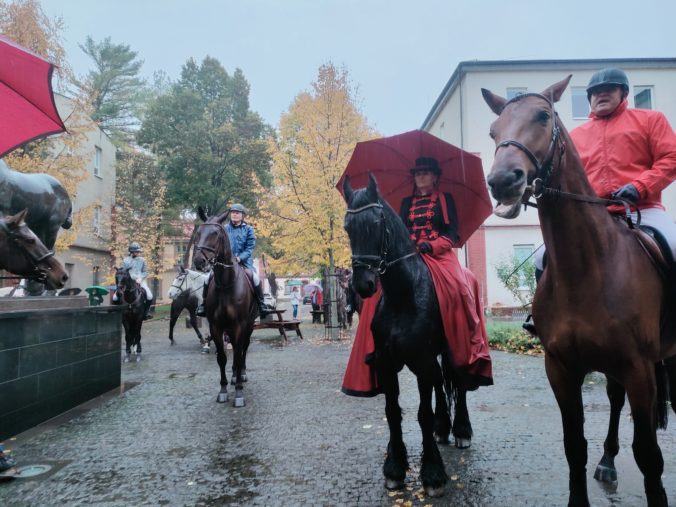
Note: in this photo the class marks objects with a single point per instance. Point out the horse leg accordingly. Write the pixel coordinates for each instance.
(432, 473)
(396, 460)
(137, 340)
(462, 427)
(222, 359)
(642, 395)
(442, 416)
(193, 323)
(237, 359)
(127, 339)
(172, 322)
(605, 470)
(567, 387)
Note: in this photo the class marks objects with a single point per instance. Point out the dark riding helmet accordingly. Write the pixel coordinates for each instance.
(238, 207)
(426, 164)
(609, 76)
(134, 247)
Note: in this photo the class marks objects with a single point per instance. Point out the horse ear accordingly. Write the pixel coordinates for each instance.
(372, 188)
(555, 91)
(495, 102)
(201, 213)
(347, 189)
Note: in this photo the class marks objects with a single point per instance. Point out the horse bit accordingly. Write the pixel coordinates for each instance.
(381, 260)
(212, 260)
(40, 275)
(543, 170)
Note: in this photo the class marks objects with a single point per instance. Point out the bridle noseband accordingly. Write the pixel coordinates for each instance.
(40, 274)
(222, 237)
(380, 262)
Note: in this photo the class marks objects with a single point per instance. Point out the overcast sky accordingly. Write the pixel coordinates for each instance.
(399, 53)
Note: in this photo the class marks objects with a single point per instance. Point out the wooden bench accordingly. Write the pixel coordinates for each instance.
(280, 324)
(317, 316)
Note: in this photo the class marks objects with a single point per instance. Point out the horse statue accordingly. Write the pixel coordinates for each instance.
(186, 293)
(408, 331)
(600, 304)
(230, 305)
(23, 254)
(133, 296)
(49, 207)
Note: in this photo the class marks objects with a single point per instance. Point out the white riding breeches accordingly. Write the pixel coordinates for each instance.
(653, 217)
(256, 278)
(149, 294)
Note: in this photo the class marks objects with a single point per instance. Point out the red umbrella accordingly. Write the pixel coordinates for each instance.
(390, 159)
(26, 97)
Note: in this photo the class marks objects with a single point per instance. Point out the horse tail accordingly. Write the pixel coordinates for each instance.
(662, 381)
(68, 222)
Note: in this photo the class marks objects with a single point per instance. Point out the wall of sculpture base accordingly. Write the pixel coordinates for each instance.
(55, 353)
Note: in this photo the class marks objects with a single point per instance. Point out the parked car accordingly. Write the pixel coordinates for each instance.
(307, 300)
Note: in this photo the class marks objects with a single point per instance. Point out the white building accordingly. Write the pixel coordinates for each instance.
(461, 117)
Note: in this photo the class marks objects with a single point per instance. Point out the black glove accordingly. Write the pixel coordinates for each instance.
(628, 193)
(425, 247)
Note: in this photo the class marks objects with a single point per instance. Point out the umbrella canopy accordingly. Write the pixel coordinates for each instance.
(390, 159)
(26, 97)
(310, 287)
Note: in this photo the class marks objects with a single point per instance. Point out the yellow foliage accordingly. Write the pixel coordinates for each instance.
(303, 213)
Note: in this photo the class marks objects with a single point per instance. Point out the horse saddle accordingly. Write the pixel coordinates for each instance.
(249, 277)
(657, 248)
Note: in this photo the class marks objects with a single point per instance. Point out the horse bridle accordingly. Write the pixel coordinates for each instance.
(40, 274)
(381, 263)
(185, 276)
(222, 238)
(136, 287)
(539, 186)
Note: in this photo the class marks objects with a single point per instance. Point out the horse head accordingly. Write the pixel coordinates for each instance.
(178, 285)
(527, 138)
(212, 246)
(26, 255)
(124, 283)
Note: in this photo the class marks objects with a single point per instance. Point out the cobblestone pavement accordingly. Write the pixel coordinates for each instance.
(300, 441)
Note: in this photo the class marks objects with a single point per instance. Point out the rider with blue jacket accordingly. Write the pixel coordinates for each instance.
(242, 243)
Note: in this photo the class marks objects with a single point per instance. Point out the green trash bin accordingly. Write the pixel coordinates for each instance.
(96, 294)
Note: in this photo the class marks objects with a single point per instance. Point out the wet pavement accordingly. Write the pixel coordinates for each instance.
(300, 441)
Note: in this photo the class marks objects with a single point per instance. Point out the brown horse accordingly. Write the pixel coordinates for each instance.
(599, 303)
(230, 304)
(22, 253)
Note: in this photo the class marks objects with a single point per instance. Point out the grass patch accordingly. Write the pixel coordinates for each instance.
(510, 337)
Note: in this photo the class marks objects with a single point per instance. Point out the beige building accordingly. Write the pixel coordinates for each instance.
(461, 117)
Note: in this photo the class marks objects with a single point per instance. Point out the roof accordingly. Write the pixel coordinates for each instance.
(521, 65)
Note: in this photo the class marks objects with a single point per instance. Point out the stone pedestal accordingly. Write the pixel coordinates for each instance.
(55, 353)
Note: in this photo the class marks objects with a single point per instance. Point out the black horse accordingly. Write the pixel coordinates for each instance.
(408, 330)
(132, 295)
(353, 301)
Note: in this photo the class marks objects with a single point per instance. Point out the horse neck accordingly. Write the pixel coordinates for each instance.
(572, 229)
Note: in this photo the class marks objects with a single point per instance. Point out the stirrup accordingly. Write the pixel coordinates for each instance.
(201, 311)
(530, 326)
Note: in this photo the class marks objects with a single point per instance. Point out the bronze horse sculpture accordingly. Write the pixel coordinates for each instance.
(133, 296)
(230, 304)
(601, 302)
(23, 254)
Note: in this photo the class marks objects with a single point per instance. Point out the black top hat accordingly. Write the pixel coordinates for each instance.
(426, 164)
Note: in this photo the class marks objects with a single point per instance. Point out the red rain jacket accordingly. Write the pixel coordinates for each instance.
(635, 146)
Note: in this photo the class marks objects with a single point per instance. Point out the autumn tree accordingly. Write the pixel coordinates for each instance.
(211, 147)
(114, 88)
(304, 213)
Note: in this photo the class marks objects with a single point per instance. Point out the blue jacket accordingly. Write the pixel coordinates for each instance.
(242, 242)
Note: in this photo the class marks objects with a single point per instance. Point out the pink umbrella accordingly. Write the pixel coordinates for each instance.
(26, 97)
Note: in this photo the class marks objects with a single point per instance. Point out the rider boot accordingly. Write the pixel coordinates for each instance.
(529, 325)
(148, 312)
(201, 311)
(263, 309)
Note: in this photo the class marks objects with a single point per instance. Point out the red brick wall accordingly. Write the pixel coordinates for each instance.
(476, 260)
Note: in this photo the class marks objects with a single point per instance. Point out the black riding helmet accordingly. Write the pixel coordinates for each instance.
(609, 76)
(238, 207)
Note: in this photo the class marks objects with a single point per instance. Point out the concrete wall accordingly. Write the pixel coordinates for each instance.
(52, 360)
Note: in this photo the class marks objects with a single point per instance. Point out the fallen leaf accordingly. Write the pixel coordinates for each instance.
(367, 426)
(454, 477)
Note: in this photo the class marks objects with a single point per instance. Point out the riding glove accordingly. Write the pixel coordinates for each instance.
(628, 192)
(424, 247)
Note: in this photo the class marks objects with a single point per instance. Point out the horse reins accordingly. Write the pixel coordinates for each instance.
(40, 275)
(381, 263)
(543, 170)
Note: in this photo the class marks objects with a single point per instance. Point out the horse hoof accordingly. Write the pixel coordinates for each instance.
(138, 358)
(239, 402)
(605, 474)
(126, 359)
(434, 492)
(206, 349)
(233, 381)
(172, 342)
(463, 443)
(222, 398)
(393, 484)
(440, 439)
(244, 379)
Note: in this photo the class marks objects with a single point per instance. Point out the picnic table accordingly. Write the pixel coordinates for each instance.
(280, 324)
(317, 316)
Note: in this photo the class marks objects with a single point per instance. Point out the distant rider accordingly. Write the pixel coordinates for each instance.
(138, 270)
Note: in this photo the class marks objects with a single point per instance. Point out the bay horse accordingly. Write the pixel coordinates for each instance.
(133, 296)
(24, 254)
(186, 293)
(408, 331)
(600, 303)
(230, 305)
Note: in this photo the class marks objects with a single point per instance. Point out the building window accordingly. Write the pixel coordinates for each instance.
(643, 97)
(97, 161)
(513, 92)
(97, 220)
(522, 254)
(580, 102)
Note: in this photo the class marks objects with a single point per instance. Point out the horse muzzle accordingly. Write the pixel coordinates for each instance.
(507, 185)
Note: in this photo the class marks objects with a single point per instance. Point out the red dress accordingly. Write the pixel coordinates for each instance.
(431, 219)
